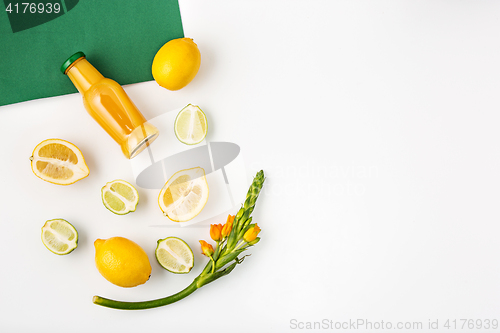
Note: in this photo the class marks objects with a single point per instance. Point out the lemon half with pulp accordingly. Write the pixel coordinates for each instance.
(184, 195)
(59, 162)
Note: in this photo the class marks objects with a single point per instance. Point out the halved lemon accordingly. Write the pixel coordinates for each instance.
(174, 255)
(59, 162)
(184, 195)
(120, 197)
(59, 236)
(191, 125)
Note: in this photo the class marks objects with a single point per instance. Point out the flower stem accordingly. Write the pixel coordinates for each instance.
(213, 264)
(238, 246)
(147, 304)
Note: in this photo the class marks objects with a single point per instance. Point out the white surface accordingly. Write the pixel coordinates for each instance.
(168, 153)
(376, 123)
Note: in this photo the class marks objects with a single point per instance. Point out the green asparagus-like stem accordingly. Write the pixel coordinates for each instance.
(199, 282)
(147, 304)
(245, 211)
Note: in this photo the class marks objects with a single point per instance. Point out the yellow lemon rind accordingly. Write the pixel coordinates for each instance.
(176, 63)
(167, 184)
(116, 256)
(83, 170)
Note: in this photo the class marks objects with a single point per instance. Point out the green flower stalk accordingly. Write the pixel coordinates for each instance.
(235, 237)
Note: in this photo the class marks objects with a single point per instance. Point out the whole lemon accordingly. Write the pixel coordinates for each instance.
(122, 262)
(176, 63)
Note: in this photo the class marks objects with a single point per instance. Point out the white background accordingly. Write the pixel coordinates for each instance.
(376, 123)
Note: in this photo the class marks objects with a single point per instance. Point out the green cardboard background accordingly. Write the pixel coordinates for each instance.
(120, 38)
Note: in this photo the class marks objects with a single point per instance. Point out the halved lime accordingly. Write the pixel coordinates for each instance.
(120, 197)
(174, 255)
(59, 236)
(191, 125)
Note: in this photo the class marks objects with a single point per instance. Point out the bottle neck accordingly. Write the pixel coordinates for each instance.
(83, 74)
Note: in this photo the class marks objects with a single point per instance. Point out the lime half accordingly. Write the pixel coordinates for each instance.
(191, 125)
(59, 236)
(120, 197)
(174, 255)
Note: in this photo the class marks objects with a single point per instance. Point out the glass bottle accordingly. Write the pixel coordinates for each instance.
(107, 102)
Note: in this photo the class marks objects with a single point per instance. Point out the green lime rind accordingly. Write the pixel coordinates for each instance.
(172, 259)
(176, 131)
(53, 235)
(120, 203)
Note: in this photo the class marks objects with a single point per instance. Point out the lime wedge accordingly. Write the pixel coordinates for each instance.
(174, 255)
(120, 197)
(191, 125)
(59, 236)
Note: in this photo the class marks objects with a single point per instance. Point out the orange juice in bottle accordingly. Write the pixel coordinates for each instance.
(110, 106)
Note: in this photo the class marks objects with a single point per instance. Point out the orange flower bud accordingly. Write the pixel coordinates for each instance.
(206, 248)
(226, 229)
(215, 232)
(251, 233)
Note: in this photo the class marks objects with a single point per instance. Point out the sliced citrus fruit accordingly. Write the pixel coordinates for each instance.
(184, 195)
(191, 125)
(174, 255)
(59, 236)
(120, 197)
(59, 162)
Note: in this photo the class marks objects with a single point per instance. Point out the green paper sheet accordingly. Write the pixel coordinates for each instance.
(120, 38)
